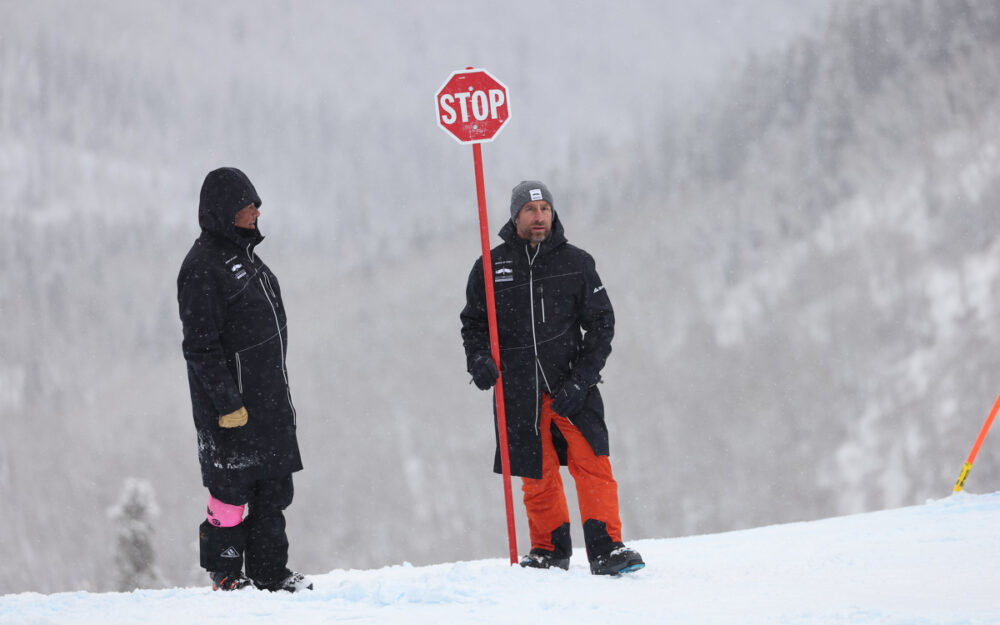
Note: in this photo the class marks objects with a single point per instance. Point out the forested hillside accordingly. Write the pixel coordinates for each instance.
(826, 245)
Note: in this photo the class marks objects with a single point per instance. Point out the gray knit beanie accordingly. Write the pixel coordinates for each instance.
(528, 191)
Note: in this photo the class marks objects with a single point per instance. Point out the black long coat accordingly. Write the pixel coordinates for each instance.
(554, 318)
(235, 342)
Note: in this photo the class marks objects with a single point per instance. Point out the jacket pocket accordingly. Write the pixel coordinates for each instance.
(239, 373)
(270, 288)
(542, 297)
(261, 379)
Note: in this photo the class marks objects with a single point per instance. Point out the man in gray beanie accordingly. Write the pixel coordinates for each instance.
(555, 325)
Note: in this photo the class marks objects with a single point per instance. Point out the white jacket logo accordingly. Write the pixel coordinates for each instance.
(237, 270)
(598, 289)
(503, 271)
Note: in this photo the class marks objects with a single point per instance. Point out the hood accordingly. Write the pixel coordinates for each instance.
(557, 237)
(225, 191)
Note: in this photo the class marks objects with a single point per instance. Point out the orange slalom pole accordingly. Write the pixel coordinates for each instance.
(975, 448)
(477, 155)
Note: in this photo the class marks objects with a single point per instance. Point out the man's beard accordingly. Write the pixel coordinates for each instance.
(533, 237)
(539, 237)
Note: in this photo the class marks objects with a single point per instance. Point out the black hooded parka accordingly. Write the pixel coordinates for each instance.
(554, 320)
(235, 342)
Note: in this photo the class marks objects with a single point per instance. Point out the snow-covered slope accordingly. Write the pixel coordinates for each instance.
(935, 563)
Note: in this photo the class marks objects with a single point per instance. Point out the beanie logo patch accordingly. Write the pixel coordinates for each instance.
(536, 194)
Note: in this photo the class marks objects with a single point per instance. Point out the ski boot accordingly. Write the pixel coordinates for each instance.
(544, 559)
(294, 582)
(619, 560)
(229, 581)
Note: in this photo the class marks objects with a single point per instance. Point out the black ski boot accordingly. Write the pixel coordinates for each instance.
(544, 559)
(294, 582)
(619, 560)
(229, 581)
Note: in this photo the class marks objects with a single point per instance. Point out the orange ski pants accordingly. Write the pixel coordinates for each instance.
(596, 489)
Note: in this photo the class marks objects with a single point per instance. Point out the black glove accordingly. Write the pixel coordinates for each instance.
(484, 372)
(570, 399)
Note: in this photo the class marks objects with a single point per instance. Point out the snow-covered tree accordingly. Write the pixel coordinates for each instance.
(135, 558)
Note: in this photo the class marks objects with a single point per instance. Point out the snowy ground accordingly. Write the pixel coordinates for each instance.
(931, 564)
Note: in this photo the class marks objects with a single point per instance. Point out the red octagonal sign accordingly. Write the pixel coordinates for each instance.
(472, 106)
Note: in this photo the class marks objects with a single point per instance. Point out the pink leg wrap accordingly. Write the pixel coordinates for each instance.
(223, 514)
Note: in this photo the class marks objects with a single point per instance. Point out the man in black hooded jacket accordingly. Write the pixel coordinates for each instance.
(235, 342)
(555, 325)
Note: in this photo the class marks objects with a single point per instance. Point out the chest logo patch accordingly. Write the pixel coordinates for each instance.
(503, 271)
(238, 271)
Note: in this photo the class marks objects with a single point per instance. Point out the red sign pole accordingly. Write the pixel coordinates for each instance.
(491, 313)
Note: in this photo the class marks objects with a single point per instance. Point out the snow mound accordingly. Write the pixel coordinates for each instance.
(936, 563)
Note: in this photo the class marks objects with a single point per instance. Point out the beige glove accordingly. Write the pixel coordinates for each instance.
(234, 419)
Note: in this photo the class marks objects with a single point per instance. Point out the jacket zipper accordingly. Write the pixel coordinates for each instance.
(239, 373)
(281, 343)
(534, 339)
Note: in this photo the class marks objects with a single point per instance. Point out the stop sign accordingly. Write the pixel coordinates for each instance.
(472, 105)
